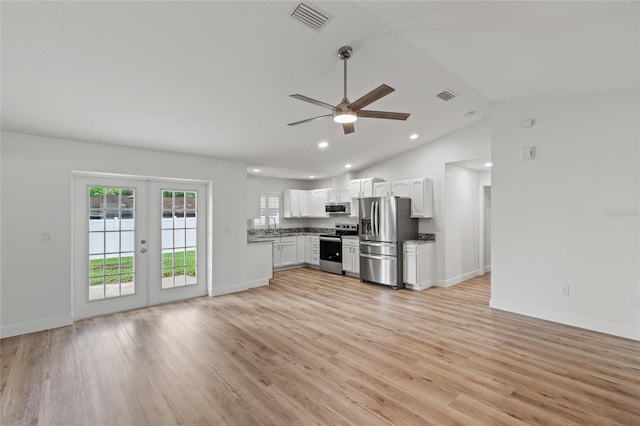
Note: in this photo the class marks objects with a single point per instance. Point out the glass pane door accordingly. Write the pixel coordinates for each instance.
(109, 245)
(111, 225)
(177, 269)
(179, 238)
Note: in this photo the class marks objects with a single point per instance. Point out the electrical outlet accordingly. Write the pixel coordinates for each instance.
(634, 301)
(564, 290)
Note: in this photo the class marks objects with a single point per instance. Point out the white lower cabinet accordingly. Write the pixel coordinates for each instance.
(418, 261)
(312, 250)
(285, 252)
(301, 249)
(351, 255)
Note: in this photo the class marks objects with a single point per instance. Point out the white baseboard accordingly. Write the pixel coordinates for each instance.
(258, 283)
(421, 286)
(235, 288)
(460, 278)
(568, 319)
(33, 326)
(487, 269)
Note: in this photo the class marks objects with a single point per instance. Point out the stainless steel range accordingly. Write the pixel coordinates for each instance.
(331, 247)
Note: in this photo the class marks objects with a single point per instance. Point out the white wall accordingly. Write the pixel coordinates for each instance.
(36, 198)
(461, 224)
(571, 216)
(429, 160)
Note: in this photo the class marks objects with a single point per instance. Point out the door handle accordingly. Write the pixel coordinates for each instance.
(381, 257)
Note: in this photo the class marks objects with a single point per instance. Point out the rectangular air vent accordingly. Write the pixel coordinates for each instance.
(311, 16)
(446, 95)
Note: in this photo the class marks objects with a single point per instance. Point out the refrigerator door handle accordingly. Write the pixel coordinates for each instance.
(376, 217)
(379, 257)
(373, 223)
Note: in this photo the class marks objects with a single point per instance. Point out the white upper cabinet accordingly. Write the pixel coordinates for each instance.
(344, 195)
(301, 203)
(402, 188)
(359, 188)
(291, 203)
(419, 190)
(305, 203)
(355, 188)
(421, 198)
(339, 195)
(382, 189)
(319, 198)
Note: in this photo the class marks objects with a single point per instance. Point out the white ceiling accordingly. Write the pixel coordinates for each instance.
(213, 78)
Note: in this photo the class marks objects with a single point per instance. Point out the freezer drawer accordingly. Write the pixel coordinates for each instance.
(379, 247)
(380, 269)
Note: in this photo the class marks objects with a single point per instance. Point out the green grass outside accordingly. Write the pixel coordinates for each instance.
(113, 271)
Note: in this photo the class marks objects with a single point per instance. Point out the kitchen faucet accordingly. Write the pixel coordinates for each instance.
(275, 223)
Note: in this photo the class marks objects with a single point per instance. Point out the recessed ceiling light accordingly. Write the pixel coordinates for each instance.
(347, 166)
(323, 145)
(256, 170)
(488, 164)
(413, 136)
(312, 177)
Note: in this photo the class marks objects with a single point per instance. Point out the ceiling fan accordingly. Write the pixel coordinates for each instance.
(347, 112)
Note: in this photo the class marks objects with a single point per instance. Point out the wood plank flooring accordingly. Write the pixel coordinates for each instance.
(316, 348)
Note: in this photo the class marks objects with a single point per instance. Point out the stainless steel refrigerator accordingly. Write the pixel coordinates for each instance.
(385, 222)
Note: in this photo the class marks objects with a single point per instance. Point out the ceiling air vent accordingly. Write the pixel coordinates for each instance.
(311, 16)
(446, 95)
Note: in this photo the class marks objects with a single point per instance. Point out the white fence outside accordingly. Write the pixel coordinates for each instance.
(112, 243)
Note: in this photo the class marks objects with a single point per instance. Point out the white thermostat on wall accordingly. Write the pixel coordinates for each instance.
(528, 153)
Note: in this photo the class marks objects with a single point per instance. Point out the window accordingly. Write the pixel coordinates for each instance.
(269, 208)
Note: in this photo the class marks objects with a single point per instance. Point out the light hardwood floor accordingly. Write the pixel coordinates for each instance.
(316, 348)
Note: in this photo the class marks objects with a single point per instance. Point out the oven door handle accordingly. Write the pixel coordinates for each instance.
(332, 239)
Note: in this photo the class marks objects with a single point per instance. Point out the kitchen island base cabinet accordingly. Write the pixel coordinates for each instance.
(351, 256)
(418, 273)
(260, 265)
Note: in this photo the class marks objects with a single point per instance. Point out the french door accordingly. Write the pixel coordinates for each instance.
(137, 243)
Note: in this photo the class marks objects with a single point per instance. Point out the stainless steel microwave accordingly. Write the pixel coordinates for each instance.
(338, 208)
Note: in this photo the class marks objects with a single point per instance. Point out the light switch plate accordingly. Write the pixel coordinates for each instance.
(528, 153)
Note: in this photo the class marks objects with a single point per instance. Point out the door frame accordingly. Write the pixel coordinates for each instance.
(208, 223)
(482, 267)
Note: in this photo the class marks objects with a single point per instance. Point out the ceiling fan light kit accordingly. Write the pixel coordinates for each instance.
(344, 116)
(346, 112)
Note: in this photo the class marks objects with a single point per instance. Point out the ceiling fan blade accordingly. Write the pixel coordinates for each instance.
(313, 101)
(372, 96)
(348, 128)
(309, 119)
(363, 113)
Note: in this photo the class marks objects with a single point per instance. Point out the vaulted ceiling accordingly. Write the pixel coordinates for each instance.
(214, 78)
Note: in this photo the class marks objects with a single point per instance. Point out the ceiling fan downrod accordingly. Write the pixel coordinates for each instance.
(345, 53)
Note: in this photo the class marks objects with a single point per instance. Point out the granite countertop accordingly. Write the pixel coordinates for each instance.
(260, 240)
(418, 241)
(350, 237)
(261, 237)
